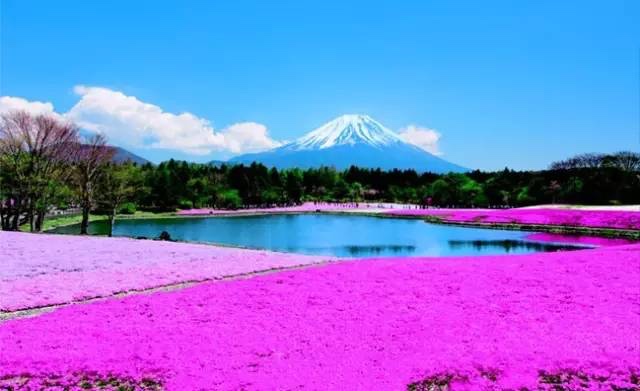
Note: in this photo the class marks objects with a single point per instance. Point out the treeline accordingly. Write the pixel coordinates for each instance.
(175, 184)
(44, 165)
(625, 160)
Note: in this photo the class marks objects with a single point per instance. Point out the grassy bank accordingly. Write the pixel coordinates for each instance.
(61, 221)
(53, 222)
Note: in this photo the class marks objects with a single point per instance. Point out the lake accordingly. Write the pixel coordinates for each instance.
(327, 234)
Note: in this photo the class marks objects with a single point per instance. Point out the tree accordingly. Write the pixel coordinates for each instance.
(572, 190)
(472, 193)
(91, 159)
(341, 190)
(553, 189)
(196, 188)
(229, 199)
(119, 183)
(294, 185)
(585, 160)
(35, 152)
(441, 193)
(356, 192)
(628, 161)
(523, 197)
(624, 160)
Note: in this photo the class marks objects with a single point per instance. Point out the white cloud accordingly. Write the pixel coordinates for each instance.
(11, 103)
(424, 138)
(248, 137)
(128, 121)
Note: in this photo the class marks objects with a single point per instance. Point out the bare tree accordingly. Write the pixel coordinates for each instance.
(585, 160)
(628, 161)
(34, 153)
(91, 158)
(624, 160)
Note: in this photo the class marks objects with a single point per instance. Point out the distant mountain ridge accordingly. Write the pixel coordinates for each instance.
(121, 155)
(348, 140)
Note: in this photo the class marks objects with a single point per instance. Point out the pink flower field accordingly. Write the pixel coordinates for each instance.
(555, 217)
(41, 270)
(501, 322)
(544, 321)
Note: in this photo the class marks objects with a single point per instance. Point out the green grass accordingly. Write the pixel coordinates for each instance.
(62, 221)
(148, 215)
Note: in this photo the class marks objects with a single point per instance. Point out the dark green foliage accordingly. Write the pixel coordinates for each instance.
(128, 208)
(173, 184)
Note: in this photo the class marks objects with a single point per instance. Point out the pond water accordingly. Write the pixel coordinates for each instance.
(338, 235)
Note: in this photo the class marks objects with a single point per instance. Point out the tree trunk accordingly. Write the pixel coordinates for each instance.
(112, 221)
(39, 220)
(84, 224)
(16, 220)
(31, 220)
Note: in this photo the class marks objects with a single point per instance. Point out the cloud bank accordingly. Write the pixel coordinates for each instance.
(130, 122)
(11, 103)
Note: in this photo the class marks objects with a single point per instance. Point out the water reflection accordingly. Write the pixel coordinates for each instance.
(510, 245)
(333, 235)
(379, 249)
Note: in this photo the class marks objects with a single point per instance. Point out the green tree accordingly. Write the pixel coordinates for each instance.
(119, 183)
(229, 199)
(341, 190)
(472, 193)
(523, 197)
(197, 191)
(356, 192)
(294, 185)
(441, 192)
(572, 190)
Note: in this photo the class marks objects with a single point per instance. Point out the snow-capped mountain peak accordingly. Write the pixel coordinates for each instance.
(349, 129)
(351, 140)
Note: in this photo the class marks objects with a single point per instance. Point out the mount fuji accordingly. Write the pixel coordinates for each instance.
(356, 140)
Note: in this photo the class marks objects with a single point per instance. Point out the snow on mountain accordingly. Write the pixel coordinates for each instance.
(348, 129)
(348, 140)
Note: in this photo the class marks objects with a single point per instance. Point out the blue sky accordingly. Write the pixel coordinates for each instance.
(500, 84)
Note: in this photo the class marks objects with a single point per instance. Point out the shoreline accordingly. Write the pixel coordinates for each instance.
(605, 232)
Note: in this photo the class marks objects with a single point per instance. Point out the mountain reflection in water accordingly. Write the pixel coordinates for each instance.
(510, 245)
(379, 249)
(333, 235)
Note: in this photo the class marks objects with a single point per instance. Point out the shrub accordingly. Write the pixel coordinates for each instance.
(229, 199)
(128, 208)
